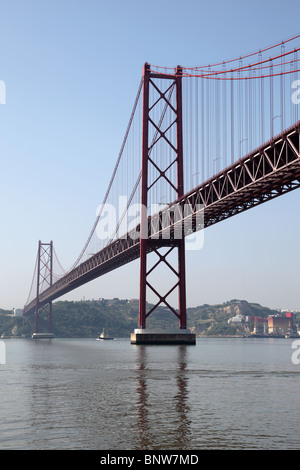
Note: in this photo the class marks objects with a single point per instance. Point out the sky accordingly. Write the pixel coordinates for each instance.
(71, 69)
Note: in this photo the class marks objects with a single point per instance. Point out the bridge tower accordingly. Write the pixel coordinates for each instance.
(166, 90)
(44, 280)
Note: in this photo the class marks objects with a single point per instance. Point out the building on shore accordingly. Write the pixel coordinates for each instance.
(273, 325)
(280, 324)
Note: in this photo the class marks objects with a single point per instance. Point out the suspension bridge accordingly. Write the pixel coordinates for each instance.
(202, 144)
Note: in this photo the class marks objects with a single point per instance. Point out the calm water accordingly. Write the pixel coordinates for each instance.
(87, 394)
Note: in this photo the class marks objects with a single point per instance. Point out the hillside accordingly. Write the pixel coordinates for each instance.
(120, 317)
(213, 319)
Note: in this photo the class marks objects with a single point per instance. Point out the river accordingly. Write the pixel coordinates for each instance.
(223, 393)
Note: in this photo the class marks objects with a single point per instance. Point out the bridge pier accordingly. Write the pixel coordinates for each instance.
(161, 336)
(42, 335)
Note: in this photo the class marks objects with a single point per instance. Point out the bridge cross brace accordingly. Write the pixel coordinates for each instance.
(162, 298)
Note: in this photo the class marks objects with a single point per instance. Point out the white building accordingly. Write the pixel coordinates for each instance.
(18, 312)
(236, 319)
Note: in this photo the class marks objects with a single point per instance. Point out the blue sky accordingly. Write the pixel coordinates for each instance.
(72, 69)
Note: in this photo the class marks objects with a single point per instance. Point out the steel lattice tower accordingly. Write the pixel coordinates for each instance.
(177, 149)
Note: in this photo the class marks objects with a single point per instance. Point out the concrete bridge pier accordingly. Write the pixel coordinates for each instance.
(162, 336)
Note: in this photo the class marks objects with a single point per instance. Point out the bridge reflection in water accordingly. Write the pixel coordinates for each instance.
(157, 389)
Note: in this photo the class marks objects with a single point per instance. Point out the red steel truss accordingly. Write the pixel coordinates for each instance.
(147, 184)
(264, 174)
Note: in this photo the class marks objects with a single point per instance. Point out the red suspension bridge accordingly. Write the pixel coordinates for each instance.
(202, 144)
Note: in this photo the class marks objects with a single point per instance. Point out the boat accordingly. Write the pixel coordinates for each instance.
(103, 336)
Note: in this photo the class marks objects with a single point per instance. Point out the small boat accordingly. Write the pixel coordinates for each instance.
(103, 336)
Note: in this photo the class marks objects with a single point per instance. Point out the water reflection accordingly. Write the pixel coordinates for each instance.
(142, 399)
(168, 384)
(181, 399)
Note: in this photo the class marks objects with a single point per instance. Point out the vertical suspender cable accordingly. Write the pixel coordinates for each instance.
(207, 126)
(232, 119)
(295, 78)
(271, 103)
(202, 132)
(282, 94)
(224, 120)
(196, 133)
